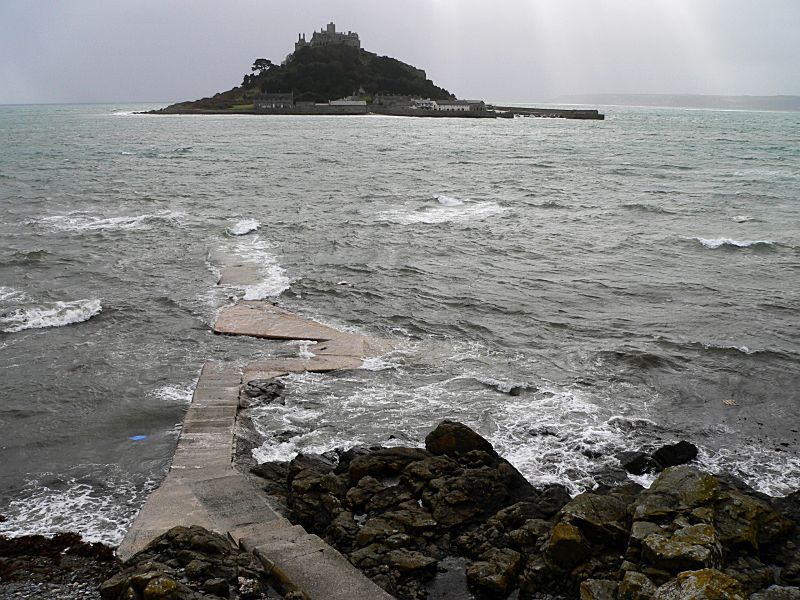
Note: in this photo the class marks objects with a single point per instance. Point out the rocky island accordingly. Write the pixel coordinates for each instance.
(331, 74)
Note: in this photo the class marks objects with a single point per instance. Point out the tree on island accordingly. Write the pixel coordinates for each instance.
(261, 65)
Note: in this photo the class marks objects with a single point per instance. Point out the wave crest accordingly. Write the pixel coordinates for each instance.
(714, 243)
(53, 314)
(449, 200)
(82, 222)
(244, 227)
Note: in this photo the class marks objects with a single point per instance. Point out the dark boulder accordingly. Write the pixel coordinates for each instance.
(673, 455)
(384, 462)
(637, 463)
(455, 439)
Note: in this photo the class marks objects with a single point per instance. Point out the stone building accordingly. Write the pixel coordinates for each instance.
(267, 101)
(327, 37)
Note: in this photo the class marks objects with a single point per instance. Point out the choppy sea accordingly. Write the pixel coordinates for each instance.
(639, 277)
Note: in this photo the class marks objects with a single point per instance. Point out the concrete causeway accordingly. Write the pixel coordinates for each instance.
(203, 488)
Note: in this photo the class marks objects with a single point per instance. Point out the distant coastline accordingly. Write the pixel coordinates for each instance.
(782, 103)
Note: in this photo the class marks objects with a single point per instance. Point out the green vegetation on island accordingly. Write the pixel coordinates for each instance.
(318, 74)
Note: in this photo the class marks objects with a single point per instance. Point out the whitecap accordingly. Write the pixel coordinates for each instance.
(244, 227)
(275, 281)
(83, 222)
(474, 211)
(742, 218)
(449, 201)
(714, 243)
(52, 314)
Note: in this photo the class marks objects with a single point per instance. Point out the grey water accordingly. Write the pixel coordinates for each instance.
(638, 277)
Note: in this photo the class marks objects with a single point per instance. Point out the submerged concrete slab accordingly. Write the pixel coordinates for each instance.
(239, 275)
(262, 319)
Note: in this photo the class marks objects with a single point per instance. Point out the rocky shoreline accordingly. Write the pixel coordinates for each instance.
(455, 520)
(458, 513)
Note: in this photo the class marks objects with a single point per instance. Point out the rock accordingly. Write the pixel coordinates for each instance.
(552, 499)
(676, 489)
(185, 563)
(387, 498)
(384, 462)
(776, 592)
(747, 522)
(261, 391)
(567, 547)
(675, 454)
(689, 548)
(636, 586)
(495, 572)
(603, 519)
(217, 586)
(789, 506)
(636, 463)
(316, 463)
(531, 534)
(418, 474)
(474, 493)
(407, 561)
(790, 574)
(515, 390)
(455, 439)
(316, 495)
(165, 588)
(598, 589)
(705, 584)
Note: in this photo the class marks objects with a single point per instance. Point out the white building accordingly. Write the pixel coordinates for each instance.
(426, 104)
(453, 105)
(348, 102)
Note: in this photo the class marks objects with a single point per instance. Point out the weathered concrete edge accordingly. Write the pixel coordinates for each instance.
(203, 488)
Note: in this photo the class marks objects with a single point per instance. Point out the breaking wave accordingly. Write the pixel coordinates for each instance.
(244, 227)
(53, 314)
(449, 201)
(473, 211)
(83, 222)
(100, 510)
(714, 243)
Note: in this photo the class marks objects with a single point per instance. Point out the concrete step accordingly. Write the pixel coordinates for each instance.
(318, 570)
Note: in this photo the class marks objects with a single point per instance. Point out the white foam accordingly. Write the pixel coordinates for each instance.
(244, 227)
(714, 243)
(53, 314)
(179, 395)
(274, 279)
(742, 218)
(378, 363)
(449, 201)
(83, 222)
(98, 512)
(303, 350)
(9, 295)
(764, 469)
(474, 211)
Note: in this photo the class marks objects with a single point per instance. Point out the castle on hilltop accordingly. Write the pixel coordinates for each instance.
(328, 37)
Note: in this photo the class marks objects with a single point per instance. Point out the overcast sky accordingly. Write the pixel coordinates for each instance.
(513, 50)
